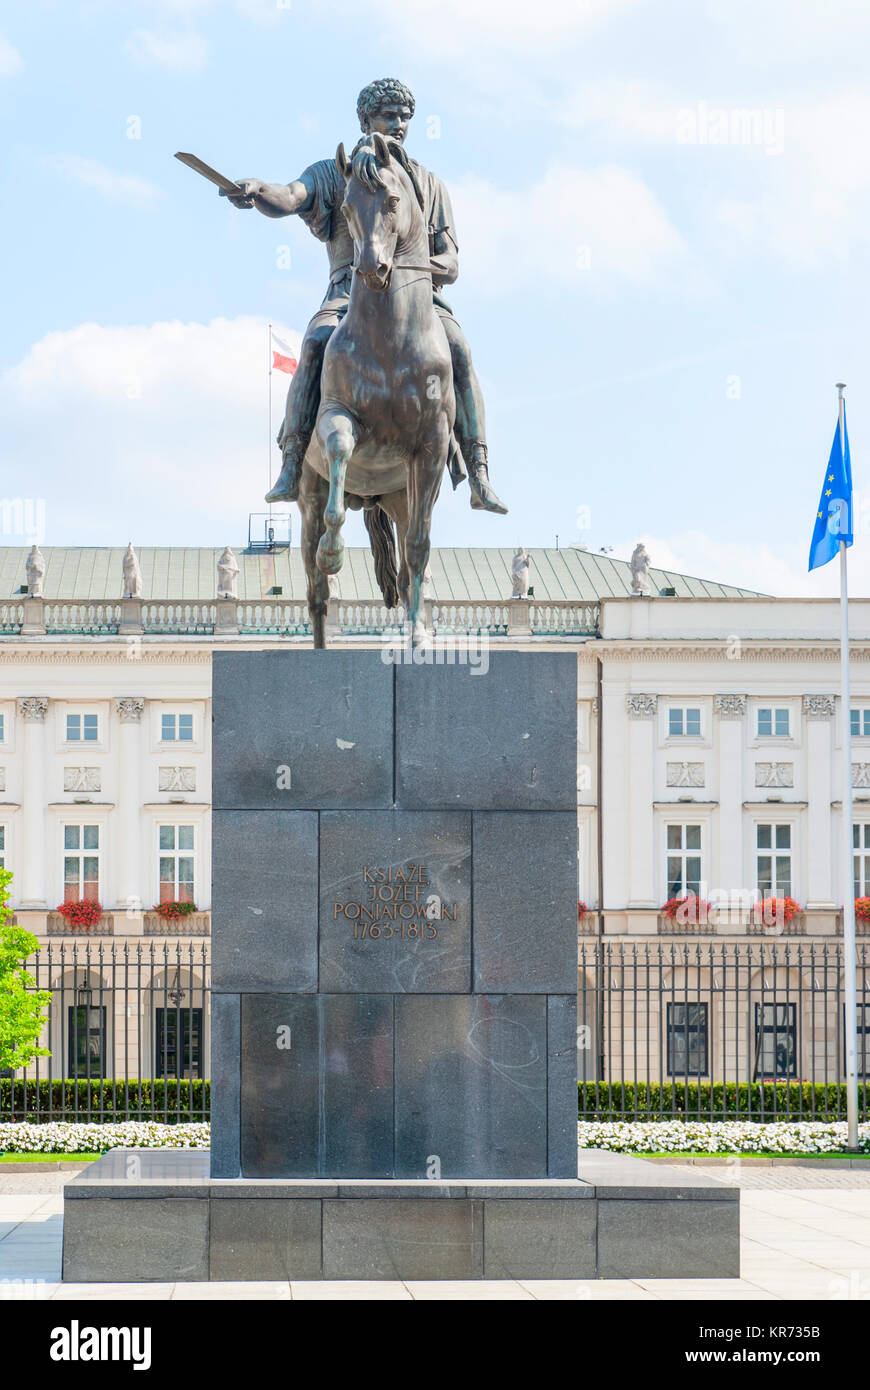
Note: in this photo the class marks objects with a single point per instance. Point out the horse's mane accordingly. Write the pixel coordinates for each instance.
(365, 167)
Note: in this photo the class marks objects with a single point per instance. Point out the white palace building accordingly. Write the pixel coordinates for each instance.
(707, 736)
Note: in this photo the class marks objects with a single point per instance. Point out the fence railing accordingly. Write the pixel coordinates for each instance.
(129, 1033)
(716, 1030)
(667, 1030)
(288, 617)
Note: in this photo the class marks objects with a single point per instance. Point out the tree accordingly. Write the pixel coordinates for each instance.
(23, 1008)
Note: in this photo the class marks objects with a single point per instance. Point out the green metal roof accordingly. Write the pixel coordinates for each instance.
(91, 573)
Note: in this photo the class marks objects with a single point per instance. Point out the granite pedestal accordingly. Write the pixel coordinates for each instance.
(394, 975)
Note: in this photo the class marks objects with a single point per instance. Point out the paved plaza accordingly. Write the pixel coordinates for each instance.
(805, 1235)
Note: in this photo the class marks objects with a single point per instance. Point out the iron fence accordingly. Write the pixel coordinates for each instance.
(128, 1029)
(688, 1029)
(717, 1030)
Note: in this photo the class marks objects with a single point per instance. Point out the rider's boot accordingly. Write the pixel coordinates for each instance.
(483, 494)
(286, 488)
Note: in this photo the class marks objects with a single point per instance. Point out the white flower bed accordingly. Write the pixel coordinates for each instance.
(64, 1138)
(724, 1136)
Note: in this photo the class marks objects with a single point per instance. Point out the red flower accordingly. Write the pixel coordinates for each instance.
(862, 909)
(582, 909)
(771, 911)
(172, 911)
(687, 910)
(81, 912)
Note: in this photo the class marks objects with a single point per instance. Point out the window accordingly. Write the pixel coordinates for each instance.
(859, 718)
(773, 723)
(775, 1040)
(2, 846)
(687, 1040)
(174, 1027)
(176, 863)
(82, 728)
(773, 862)
(176, 728)
(684, 723)
(81, 862)
(863, 1030)
(684, 860)
(86, 1040)
(861, 860)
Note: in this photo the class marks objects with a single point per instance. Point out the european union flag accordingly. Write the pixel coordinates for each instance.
(834, 514)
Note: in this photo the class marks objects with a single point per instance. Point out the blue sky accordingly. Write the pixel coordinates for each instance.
(663, 214)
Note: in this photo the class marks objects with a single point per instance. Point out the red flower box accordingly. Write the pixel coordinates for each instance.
(81, 912)
(688, 910)
(862, 909)
(172, 911)
(582, 909)
(773, 911)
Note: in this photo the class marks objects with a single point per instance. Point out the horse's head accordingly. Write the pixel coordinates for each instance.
(381, 206)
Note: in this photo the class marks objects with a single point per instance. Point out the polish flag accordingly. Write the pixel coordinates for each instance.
(282, 355)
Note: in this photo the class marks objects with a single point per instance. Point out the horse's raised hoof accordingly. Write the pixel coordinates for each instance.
(330, 558)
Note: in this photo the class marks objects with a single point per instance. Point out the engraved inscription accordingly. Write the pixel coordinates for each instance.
(399, 905)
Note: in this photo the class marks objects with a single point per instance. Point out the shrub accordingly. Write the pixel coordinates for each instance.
(160, 1099)
(23, 1008)
(717, 1100)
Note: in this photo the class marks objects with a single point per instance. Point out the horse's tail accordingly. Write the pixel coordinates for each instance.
(382, 539)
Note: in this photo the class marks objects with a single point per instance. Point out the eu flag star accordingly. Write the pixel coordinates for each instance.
(827, 492)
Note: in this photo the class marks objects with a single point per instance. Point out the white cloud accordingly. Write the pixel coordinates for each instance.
(772, 173)
(10, 59)
(161, 425)
(602, 224)
(130, 189)
(456, 26)
(813, 203)
(177, 51)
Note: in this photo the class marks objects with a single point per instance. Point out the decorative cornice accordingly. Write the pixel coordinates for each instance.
(677, 650)
(730, 706)
(642, 706)
(33, 708)
(819, 706)
(129, 708)
(102, 656)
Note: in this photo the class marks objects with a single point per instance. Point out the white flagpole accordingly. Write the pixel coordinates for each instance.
(269, 420)
(851, 1019)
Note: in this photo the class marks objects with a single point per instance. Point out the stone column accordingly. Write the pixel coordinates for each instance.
(613, 806)
(129, 709)
(818, 714)
(34, 860)
(641, 794)
(731, 710)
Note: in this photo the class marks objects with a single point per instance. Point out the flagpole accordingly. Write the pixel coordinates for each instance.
(269, 419)
(849, 948)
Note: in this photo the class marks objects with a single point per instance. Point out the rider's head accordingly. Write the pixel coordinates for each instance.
(385, 106)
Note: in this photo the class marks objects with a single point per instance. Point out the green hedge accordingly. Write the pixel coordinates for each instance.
(758, 1100)
(111, 1100)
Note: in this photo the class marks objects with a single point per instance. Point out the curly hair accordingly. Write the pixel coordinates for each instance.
(373, 97)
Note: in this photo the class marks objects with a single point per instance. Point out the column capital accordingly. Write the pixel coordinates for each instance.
(819, 706)
(642, 706)
(33, 708)
(730, 706)
(129, 708)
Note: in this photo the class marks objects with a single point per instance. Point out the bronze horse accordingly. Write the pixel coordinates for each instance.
(387, 403)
